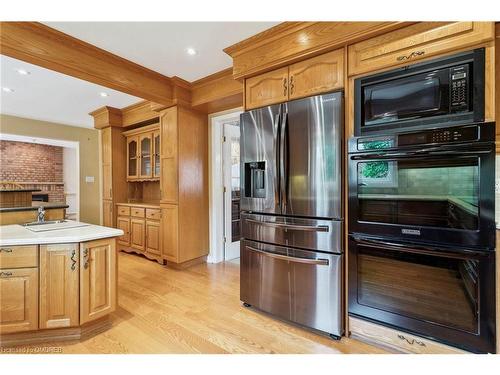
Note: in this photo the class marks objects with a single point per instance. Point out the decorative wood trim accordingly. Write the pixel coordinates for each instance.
(137, 113)
(56, 334)
(142, 129)
(217, 92)
(41, 45)
(106, 116)
(397, 341)
(293, 41)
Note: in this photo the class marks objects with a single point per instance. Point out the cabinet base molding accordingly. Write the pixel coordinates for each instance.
(150, 256)
(57, 334)
(396, 341)
(189, 263)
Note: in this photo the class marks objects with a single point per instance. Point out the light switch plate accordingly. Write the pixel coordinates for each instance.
(89, 178)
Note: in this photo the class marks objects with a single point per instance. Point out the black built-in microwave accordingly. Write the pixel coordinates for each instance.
(441, 92)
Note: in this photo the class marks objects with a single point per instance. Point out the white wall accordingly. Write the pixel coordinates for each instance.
(71, 177)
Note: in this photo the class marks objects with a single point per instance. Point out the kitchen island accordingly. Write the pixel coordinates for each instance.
(57, 281)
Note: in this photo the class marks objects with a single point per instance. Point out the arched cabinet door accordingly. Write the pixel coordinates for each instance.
(132, 158)
(145, 157)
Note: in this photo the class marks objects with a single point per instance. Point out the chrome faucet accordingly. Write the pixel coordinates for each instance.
(41, 215)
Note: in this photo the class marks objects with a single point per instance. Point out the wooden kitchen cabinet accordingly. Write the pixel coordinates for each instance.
(59, 285)
(183, 186)
(141, 225)
(98, 272)
(137, 233)
(316, 75)
(153, 237)
(143, 153)
(266, 89)
(18, 299)
(113, 172)
(107, 213)
(123, 223)
(170, 233)
(416, 42)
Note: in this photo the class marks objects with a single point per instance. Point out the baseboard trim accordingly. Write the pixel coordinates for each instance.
(56, 334)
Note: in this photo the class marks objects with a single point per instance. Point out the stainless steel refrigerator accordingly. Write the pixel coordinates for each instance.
(291, 203)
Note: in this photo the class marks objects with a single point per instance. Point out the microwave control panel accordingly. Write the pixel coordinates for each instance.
(459, 90)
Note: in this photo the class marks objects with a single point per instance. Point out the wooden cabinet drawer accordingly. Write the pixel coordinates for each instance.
(18, 256)
(396, 340)
(416, 42)
(123, 211)
(137, 211)
(153, 213)
(267, 88)
(317, 75)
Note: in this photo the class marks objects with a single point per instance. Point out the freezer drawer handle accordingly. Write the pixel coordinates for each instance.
(307, 228)
(319, 262)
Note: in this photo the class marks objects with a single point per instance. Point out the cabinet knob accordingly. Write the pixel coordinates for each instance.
(292, 86)
(5, 250)
(5, 274)
(285, 88)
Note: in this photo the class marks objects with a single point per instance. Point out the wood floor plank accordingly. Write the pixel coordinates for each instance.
(197, 310)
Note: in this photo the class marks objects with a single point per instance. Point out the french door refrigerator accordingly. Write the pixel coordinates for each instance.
(291, 203)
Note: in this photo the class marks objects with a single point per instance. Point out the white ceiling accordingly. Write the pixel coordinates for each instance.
(50, 96)
(161, 46)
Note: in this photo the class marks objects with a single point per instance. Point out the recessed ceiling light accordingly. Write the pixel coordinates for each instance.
(104, 94)
(7, 89)
(191, 51)
(23, 72)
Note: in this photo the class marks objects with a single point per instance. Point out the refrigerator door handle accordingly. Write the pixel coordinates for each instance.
(276, 159)
(284, 163)
(306, 228)
(317, 262)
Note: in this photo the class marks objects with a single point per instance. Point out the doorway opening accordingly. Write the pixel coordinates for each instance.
(225, 187)
(51, 166)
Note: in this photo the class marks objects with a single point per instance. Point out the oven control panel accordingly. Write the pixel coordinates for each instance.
(448, 135)
(459, 88)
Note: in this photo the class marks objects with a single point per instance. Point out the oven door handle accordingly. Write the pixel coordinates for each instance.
(417, 154)
(306, 228)
(417, 249)
(317, 262)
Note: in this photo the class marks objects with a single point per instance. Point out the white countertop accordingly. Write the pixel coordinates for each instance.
(11, 235)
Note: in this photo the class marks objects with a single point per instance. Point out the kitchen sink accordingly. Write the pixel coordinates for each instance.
(43, 222)
(50, 225)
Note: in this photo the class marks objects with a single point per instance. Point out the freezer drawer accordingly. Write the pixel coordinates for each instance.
(304, 287)
(312, 234)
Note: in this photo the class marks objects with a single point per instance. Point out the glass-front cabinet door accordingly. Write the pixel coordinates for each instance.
(132, 158)
(146, 169)
(156, 154)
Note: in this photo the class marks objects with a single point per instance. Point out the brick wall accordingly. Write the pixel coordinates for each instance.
(29, 162)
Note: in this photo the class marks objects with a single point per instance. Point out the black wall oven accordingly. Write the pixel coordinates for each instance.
(443, 294)
(422, 233)
(443, 91)
(434, 186)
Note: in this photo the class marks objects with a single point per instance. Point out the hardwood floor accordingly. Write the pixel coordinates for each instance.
(163, 310)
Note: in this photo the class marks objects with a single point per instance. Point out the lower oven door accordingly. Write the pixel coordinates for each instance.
(304, 287)
(444, 295)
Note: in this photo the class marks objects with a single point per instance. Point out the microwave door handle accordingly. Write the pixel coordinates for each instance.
(306, 228)
(276, 160)
(317, 262)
